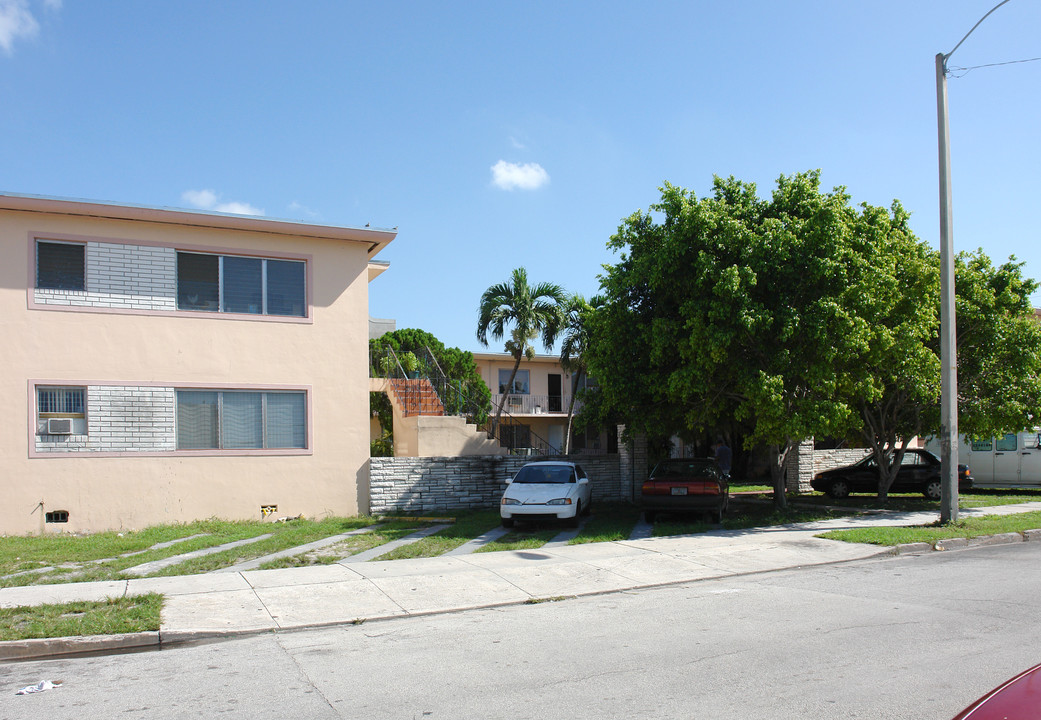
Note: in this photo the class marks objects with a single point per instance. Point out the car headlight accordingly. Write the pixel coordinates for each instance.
(510, 501)
(560, 501)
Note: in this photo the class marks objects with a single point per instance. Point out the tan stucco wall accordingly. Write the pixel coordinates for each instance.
(489, 364)
(329, 356)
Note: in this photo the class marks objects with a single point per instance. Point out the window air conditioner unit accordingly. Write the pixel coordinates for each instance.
(59, 426)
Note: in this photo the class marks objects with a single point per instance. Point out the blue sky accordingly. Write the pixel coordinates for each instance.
(501, 134)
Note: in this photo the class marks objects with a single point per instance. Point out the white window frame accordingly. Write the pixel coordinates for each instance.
(503, 390)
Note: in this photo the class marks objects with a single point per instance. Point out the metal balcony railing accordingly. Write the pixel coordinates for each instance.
(524, 404)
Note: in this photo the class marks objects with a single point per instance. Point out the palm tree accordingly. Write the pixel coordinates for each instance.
(531, 310)
(573, 347)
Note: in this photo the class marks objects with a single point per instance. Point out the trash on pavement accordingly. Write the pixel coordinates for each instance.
(39, 687)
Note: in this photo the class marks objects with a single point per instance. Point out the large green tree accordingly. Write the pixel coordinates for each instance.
(733, 310)
(802, 316)
(526, 312)
(998, 345)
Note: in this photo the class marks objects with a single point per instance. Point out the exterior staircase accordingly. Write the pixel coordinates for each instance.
(416, 397)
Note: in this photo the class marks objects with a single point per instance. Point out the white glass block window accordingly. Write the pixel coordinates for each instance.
(238, 420)
(235, 284)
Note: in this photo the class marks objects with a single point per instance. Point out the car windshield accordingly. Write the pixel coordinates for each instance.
(684, 468)
(544, 474)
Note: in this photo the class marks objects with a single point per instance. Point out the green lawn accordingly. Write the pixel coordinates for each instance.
(967, 528)
(37, 560)
(111, 617)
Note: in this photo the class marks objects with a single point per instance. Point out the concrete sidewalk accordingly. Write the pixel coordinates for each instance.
(223, 604)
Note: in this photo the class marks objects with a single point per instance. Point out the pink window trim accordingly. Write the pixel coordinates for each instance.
(206, 249)
(33, 383)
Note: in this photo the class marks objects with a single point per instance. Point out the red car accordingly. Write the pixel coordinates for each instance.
(1016, 699)
(685, 485)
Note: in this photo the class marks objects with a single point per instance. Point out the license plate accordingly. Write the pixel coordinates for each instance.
(679, 491)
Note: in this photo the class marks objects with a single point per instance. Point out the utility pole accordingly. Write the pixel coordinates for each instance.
(948, 340)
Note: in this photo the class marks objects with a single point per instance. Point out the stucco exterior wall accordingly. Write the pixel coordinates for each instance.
(126, 348)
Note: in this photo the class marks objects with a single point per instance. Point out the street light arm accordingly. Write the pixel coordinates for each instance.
(969, 33)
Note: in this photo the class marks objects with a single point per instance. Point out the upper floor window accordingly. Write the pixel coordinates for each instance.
(520, 382)
(60, 266)
(234, 284)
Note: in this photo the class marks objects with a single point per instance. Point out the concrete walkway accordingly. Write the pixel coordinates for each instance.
(251, 601)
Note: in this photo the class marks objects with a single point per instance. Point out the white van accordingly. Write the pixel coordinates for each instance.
(1013, 460)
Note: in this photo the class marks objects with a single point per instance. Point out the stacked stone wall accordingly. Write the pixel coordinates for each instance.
(443, 484)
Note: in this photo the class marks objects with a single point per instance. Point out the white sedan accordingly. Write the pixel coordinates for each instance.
(548, 489)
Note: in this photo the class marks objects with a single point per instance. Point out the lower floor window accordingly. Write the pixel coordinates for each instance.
(239, 419)
(60, 410)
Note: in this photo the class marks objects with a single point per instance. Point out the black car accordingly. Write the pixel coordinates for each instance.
(919, 472)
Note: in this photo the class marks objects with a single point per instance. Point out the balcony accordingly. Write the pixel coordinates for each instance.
(519, 404)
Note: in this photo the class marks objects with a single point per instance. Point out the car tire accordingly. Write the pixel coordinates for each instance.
(507, 522)
(932, 490)
(648, 516)
(574, 521)
(838, 489)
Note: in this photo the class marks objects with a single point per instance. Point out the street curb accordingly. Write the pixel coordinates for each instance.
(78, 644)
(960, 543)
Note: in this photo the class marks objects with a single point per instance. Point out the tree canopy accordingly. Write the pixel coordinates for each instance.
(798, 316)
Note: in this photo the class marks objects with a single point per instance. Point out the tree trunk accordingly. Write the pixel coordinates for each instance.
(571, 411)
(778, 456)
(887, 475)
(502, 400)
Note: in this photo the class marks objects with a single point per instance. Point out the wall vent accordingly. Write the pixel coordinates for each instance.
(57, 516)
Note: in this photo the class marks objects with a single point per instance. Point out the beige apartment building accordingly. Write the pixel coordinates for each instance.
(163, 365)
(536, 408)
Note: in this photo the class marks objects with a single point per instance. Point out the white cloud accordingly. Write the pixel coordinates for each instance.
(16, 22)
(209, 200)
(238, 208)
(517, 144)
(204, 199)
(511, 176)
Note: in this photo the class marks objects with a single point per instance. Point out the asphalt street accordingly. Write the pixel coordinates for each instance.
(915, 636)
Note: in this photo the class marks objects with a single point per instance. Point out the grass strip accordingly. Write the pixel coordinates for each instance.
(468, 525)
(139, 613)
(609, 522)
(103, 556)
(385, 533)
(965, 528)
(530, 537)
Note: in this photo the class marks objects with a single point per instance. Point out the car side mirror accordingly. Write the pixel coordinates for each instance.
(583, 481)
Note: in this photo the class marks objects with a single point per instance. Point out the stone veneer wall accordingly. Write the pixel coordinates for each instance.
(443, 484)
(131, 277)
(804, 462)
(120, 419)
